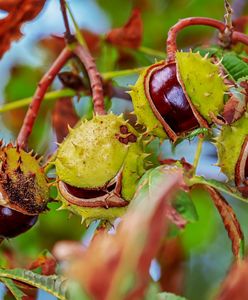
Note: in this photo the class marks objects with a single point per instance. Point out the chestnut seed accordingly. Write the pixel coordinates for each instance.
(170, 101)
(13, 223)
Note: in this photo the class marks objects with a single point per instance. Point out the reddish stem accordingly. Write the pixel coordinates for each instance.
(94, 77)
(43, 85)
(47, 79)
(172, 34)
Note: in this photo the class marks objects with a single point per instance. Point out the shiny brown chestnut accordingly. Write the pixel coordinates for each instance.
(13, 223)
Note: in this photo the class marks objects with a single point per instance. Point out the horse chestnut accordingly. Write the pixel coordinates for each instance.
(172, 99)
(98, 166)
(13, 223)
(232, 146)
(23, 190)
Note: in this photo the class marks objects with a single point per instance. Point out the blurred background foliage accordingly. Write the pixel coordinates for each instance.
(203, 250)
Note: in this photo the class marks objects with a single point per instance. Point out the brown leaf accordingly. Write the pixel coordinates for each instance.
(234, 109)
(235, 285)
(8, 5)
(130, 35)
(21, 12)
(55, 44)
(241, 169)
(229, 219)
(171, 259)
(127, 255)
(241, 23)
(63, 115)
(47, 263)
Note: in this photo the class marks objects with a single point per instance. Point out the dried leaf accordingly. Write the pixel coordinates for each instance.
(241, 24)
(234, 108)
(229, 220)
(130, 35)
(117, 266)
(71, 80)
(241, 170)
(235, 285)
(63, 115)
(21, 12)
(46, 262)
(8, 5)
(55, 44)
(171, 259)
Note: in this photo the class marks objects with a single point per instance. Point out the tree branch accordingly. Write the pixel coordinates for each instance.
(34, 106)
(69, 38)
(94, 76)
(172, 34)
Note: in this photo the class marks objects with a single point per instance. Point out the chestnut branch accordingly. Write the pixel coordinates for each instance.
(94, 76)
(95, 82)
(172, 34)
(43, 85)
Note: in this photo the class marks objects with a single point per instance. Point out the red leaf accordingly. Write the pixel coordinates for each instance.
(47, 263)
(233, 109)
(241, 169)
(63, 115)
(229, 220)
(8, 5)
(111, 258)
(241, 23)
(235, 285)
(55, 44)
(171, 259)
(130, 35)
(21, 12)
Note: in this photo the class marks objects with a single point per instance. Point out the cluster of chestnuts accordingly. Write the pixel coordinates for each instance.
(101, 161)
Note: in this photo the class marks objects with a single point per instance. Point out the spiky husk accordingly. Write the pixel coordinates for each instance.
(133, 169)
(23, 185)
(202, 83)
(229, 144)
(92, 155)
(142, 108)
(89, 214)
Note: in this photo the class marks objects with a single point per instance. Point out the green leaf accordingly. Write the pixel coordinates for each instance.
(182, 203)
(235, 66)
(214, 50)
(55, 285)
(15, 291)
(220, 186)
(185, 207)
(169, 296)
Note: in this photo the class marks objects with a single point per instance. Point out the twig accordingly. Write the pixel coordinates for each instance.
(69, 38)
(50, 96)
(117, 92)
(34, 106)
(79, 36)
(119, 73)
(151, 52)
(225, 37)
(94, 76)
(172, 34)
(198, 153)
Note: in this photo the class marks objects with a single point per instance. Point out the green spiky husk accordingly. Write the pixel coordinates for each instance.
(142, 108)
(23, 183)
(89, 214)
(229, 144)
(133, 169)
(92, 155)
(202, 83)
